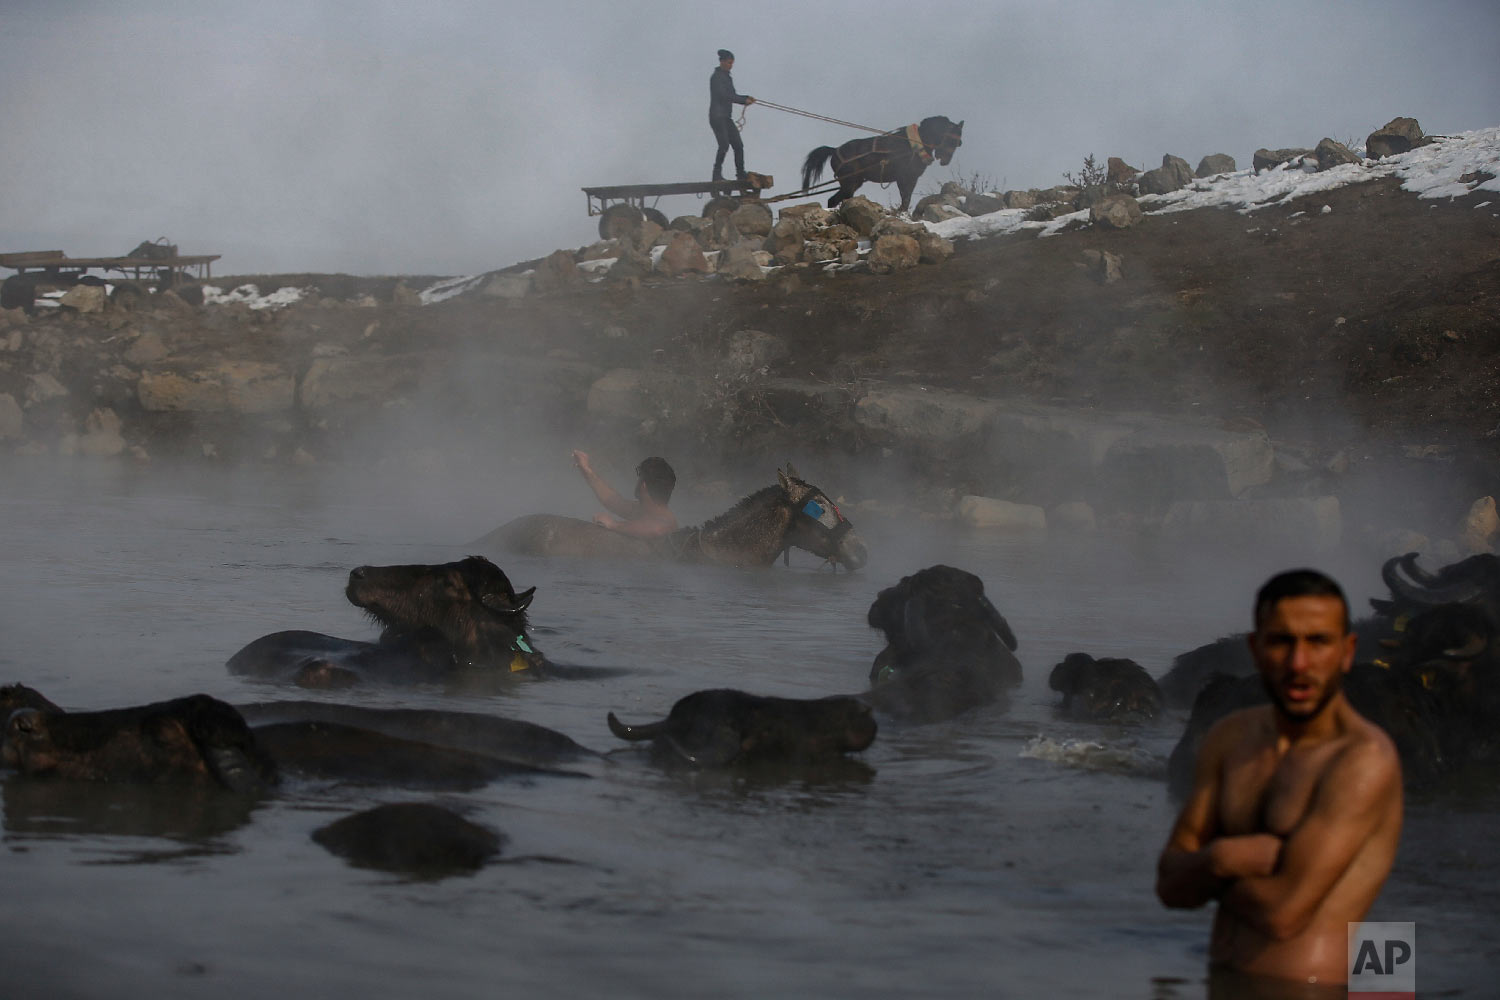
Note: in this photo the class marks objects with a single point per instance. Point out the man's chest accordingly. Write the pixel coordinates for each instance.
(1267, 792)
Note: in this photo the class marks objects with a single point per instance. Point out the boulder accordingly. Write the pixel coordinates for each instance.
(810, 215)
(894, 253)
(740, 263)
(752, 219)
(557, 271)
(723, 232)
(85, 298)
(753, 349)
(603, 250)
(860, 214)
(644, 236)
(983, 204)
(919, 210)
(893, 226)
(404, 296)
(631, 264)
(1396, 136)
(1090, 196)
(42, 387)
(1332, 154)
(954, 190)
(1173, 174)
(361, 379)
(839, 236)
(932, 248)
(939, 212)
(1103, 266)
(786, 233)
(1117, 211)
(1118, 172)
(1001, 515)
(1019, 199)
(1062, 193)
(146, 349)
(507, 286)
(1215, 163)
(228, 387)
(1265, 159)
(818, 252)
(11, 422)
(101, 437)
(682, 254)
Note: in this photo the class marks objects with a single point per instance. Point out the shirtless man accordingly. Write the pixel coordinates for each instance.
(1295, 811)
(647, 515)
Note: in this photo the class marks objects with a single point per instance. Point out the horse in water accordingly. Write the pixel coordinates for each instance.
(899, 156)
(768, 523)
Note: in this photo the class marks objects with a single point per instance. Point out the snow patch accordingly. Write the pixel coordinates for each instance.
(250, 295)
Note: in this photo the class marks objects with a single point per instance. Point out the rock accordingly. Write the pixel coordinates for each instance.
(1161, 461)
(558, 271)
(1072, 516)
(1476, 532)
(42, 387)
(404, 296)
(1061, 194)
(753, 349)
(101, 435)
(1332, 154)
(631, 394)
(1172, 175)
(507, 286)
(85, 298)
(892, 226)
(932, 248)
(1019, 199)
(809, 216)
(228, 387)
(818, 252)
(1001, 515)
(1103, 266)
(894, 253)
(13, 317)
(1396, 136)
(1306, 522)
(1215, 163)
(1117, 211)
(723, 233)
(146, 348)
(860, 214)
(932, 200)
(373, 380)
(741, 264)
(681, 255)
(11, 423)
(954, 190)
(602, 250)
(939, 212)
(1118, 172)
(982, 204)
(838, 236)
(752, 219)
(1265, 159)
(631, 265)
(786, 233)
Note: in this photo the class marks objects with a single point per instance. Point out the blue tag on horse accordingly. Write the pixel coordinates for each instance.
(521, 644)
(813, 510)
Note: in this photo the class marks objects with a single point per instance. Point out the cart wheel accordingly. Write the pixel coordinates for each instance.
(724, 203)
(18, 292)
(619, 220)
(658, 217)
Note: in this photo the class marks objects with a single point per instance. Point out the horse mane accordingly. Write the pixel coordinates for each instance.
(740, 508)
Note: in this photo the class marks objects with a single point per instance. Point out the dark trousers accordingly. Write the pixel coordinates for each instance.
(729, 137)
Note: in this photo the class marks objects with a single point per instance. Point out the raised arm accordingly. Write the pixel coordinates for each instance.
(1351, 802)
(612, 501)
(1198, 865)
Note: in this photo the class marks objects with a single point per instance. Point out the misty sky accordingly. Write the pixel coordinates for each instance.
(453, 138)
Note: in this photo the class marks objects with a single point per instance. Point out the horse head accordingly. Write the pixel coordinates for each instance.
(942, 136)
(817, 524)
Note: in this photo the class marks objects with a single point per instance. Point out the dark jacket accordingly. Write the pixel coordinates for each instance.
(721, 95)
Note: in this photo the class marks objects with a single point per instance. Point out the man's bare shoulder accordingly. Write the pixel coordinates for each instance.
(1370, 748)
(1238, 726)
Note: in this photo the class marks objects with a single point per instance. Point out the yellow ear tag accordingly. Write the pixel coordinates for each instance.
(518, 663)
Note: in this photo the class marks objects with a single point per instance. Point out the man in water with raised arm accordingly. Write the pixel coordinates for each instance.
(647, 515)
(1295, 812)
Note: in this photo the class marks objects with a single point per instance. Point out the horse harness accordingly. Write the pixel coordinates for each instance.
(832, 536)
(911, 136)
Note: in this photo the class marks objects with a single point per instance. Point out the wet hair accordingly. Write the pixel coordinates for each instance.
(658, 477)
(725, 54)
(1297, 583)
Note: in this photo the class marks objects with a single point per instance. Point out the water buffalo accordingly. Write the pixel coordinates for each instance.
(193, 740)
(947, 647)
(1474, 581)
(412, 838)
(1105, 690)
(722, 728)
(1398, 702)
(458, 623)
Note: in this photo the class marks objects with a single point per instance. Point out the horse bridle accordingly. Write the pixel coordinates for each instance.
(814, 511)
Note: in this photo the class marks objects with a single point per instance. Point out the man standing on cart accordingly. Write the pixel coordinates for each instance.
(721, 101)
